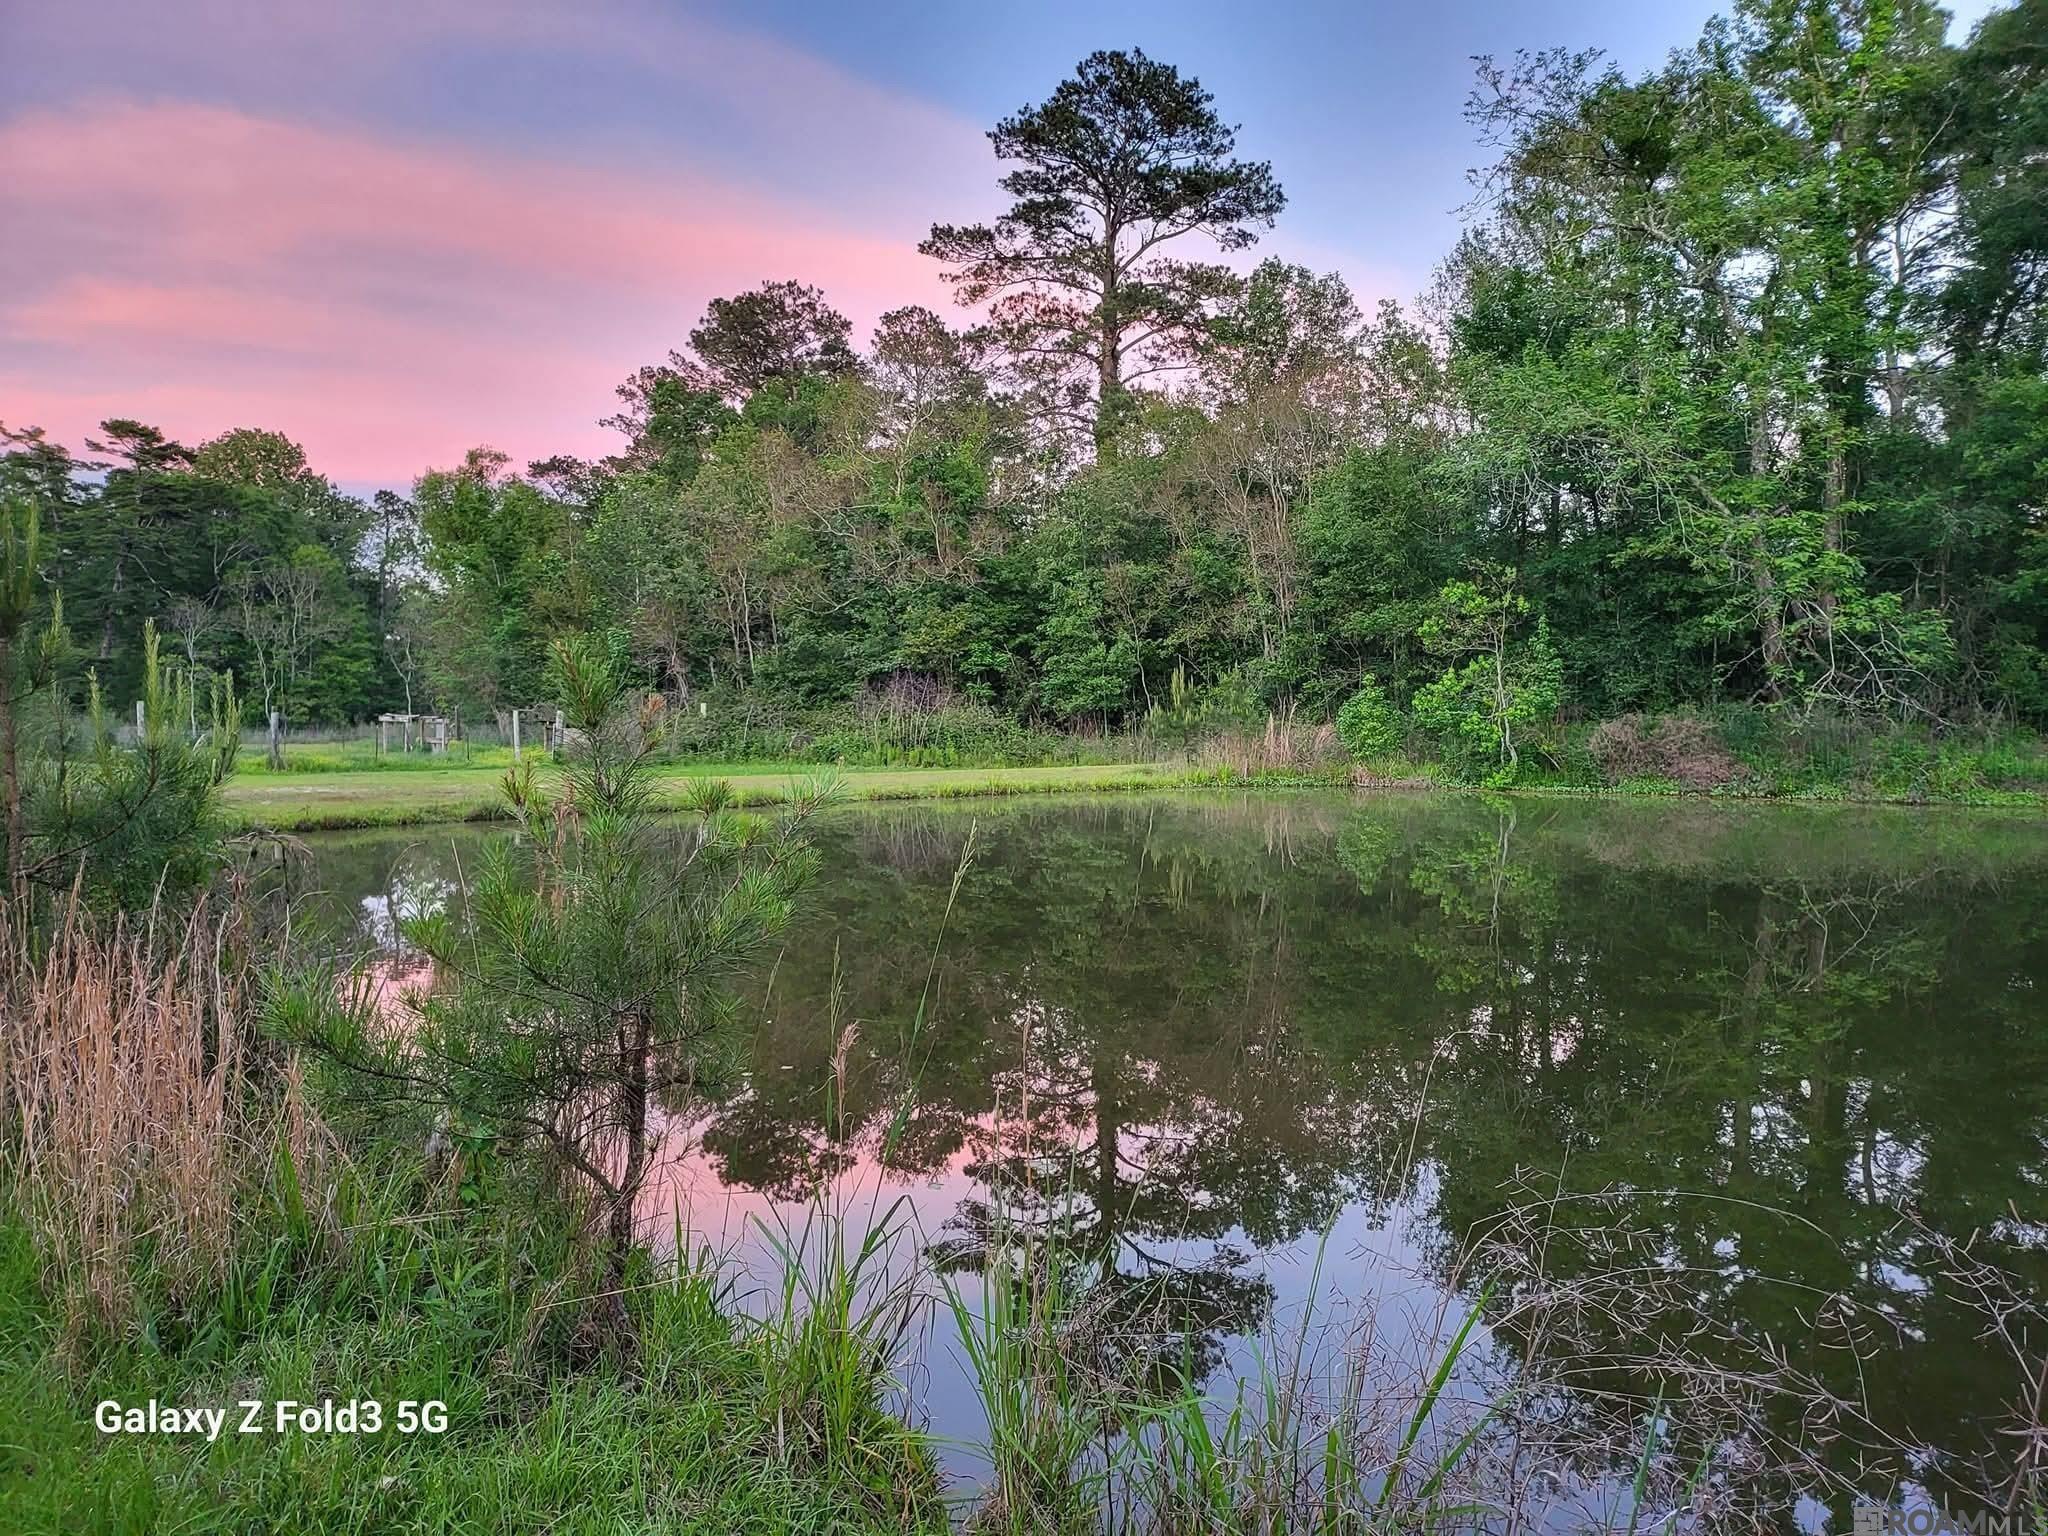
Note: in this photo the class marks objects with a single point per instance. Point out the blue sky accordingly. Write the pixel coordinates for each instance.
(398, 228)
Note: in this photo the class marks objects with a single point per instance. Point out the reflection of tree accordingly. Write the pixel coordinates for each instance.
(1771, 1068)
(352, 892)
(1113, 1055)
(1167, 1034)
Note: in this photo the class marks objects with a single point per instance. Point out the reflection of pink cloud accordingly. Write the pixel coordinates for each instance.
(390, 304)
(388, 987)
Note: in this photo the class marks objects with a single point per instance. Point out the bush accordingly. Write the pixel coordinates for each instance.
(1620, 748)
(950, 733)
(1369, 725)
(1682, 748)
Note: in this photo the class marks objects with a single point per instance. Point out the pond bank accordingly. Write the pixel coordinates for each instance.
(341, 801)
(313, 802)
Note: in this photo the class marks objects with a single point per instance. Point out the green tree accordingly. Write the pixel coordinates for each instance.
(497, 545)
(1691, 305)
(588, 981)
(123, 823)
(1085, 671)
(1120, 162)
(1368, 724)
(1285, 323)
(1497, 684)
(779, 332)
(301, 633)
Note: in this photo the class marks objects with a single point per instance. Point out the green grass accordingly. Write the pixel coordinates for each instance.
(698, 1433)
(309, 802)
(344, 784)
(339, 800)
(1827, 761)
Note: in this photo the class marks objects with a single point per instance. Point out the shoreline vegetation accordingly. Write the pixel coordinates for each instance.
(341, 786)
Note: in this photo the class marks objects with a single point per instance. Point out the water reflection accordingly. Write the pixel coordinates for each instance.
(1188, 1037)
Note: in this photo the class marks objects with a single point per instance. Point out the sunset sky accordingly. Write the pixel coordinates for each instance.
(397, 230)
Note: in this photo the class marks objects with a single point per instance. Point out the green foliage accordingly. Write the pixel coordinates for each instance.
(1483, 710)
(1123, 157)
(1369, 725)
(962, 735)
(132, 820)
(1085, 668)
(124, 822)
(591, 964)
(1734, 435)
(1193, 712)
(375, 1286)
(496, 543)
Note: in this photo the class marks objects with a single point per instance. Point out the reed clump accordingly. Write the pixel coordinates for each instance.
(1285, 746)
(130, 1118)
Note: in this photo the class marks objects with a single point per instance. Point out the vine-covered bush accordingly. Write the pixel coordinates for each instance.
(1369, 724)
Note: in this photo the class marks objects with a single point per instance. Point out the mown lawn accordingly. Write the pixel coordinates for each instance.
(308, 802)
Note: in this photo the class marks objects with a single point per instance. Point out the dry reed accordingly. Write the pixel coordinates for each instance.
(1285, 746)
(129, 1118)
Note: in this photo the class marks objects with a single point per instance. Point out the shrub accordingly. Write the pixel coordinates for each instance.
(1620, 748)
(953, 733)
(1369, 725)
(1683, 748)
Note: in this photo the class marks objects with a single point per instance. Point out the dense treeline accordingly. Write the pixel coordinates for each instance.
(1736, 390)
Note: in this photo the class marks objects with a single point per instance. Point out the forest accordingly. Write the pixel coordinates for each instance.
(1731, 402)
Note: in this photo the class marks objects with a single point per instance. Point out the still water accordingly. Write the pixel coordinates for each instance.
(1696, 1098)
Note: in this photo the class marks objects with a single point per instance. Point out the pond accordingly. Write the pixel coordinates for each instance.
(1701, 1100)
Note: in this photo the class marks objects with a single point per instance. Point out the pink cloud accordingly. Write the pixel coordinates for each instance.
(782, 105)
(389, 303)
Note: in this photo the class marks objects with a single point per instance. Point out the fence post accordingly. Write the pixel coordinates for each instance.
(515, 735)
(139, 722)
(276, 740)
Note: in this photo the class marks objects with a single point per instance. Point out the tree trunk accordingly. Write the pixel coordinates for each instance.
(633, 1105)
(113, 593)
(1770, 618)
(1500, 704)
(1833, 490)
(1109, 362)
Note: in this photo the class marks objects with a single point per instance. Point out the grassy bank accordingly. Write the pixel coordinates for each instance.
(294, 802)
(714, 1429)
(379, 798)
(1733, 752)
(179, 1226)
